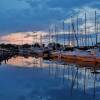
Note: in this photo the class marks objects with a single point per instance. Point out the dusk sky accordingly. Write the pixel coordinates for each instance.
(37, 15)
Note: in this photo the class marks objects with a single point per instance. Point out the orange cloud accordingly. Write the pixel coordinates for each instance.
(22, 37)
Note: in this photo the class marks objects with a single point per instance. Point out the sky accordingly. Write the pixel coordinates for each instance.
(38, 15)
(34, 15)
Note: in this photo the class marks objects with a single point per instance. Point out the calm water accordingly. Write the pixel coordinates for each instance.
(37, 79)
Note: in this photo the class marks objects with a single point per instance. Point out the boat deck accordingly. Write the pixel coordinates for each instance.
(79, 56)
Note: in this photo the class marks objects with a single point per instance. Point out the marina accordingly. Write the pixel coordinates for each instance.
(68, 41)
(49, 50)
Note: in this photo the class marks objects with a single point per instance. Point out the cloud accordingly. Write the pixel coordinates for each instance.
(90, 19)
(67, 3)
(36, 15)
(23, 37)
(13, 4)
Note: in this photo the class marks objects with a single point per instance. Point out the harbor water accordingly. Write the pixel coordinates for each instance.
(33, 78)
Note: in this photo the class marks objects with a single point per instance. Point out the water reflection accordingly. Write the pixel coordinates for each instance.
(21, 61)
(37, 79)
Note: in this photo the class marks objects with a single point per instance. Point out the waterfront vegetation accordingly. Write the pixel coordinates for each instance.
(53, 45)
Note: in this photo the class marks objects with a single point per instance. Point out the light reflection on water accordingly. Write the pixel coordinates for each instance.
(37, 79)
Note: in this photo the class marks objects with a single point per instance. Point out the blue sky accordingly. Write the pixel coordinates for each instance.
(37, 15)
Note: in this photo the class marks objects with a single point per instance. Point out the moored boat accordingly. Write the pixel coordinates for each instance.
(98, 59)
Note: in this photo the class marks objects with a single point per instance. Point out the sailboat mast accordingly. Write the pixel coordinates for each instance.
(77, 32)
(74, 34)
(64, 32)
(52, 34)
(85, 30)
(56, 35)
(96, 27)
(69, 35)
(49, 34)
